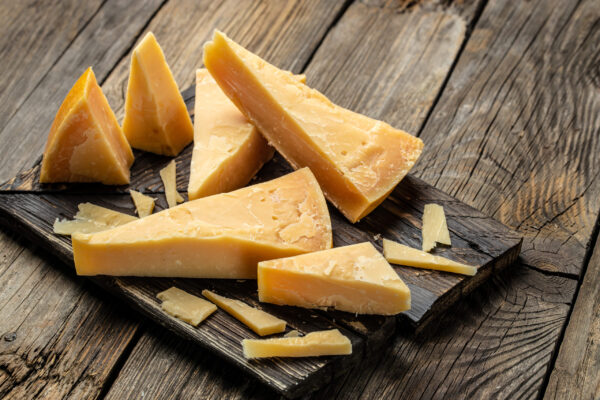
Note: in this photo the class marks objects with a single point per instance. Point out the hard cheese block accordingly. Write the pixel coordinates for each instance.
(397, 253)
(91, 218)
(357, 160)
(228, 150)
(156, 118)
(85, 143)
(320, 343)
(220, 236)
(435, 228)
(352, 278)
(187, 307)
(262, 323)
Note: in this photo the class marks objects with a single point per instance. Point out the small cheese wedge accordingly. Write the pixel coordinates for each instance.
(156, 117)
(228, 150)
(352, 278)
(320, 343)
(91, 218)
(184, 306)
(85, 143)
(220, 236)
(143, 204)
(357, 160)
(397, 253)
(169, 177)
(435, 229)
(262, 323)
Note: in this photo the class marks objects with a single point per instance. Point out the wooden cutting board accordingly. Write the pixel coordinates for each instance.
(31, 208)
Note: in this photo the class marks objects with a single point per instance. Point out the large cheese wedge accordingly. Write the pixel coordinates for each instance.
(357, 160)
(353, 278)
(220, 236)
(156, 118)
(400, 254)
(320, 343)
(85, 143)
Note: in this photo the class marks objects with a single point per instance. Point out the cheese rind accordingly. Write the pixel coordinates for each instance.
(143, 204)
(91, 218)
(220, 236)
(320, 343)
(168, 175)
(397, 253)
(185, 306)
(228, 150)
(357, 160)
(435, 228)
(352, 278)
(156, 117)
(262, 323)
(85, 143)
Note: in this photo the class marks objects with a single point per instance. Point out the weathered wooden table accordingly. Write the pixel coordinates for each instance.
(506, 96)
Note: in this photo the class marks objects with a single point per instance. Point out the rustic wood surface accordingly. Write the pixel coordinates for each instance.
(513, 131)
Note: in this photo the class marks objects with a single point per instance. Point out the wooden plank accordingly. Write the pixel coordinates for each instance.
(101, 43)
(576, 373)
(60, 338)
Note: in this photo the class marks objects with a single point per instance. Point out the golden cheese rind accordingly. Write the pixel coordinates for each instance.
(220, 236)
(353, 278)
(357, 160)
(320, 343)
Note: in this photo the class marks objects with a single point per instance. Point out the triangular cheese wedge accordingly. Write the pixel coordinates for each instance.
(397, 253)
(85, 143)
(228, 150)
(353, 278)
(156, 118)
(357, 160)
(220, 236)
(320, 343)
(435, 228)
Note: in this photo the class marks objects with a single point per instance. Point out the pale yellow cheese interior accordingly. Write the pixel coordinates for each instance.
(320, 343)
(220, 236)
(168, 175)
(397, 253)
(143, 204)
(91, 218)
(435, 228)
(184, 306)
(262, 323)
(353, 278)
(357, 160)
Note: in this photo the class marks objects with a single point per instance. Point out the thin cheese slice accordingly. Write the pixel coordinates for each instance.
(228, 150)
(292, 333)
(435, 229)
(169, 177)
(156, 117)
(143, 204)
(320, 343)
(397, 253)
(357, 160)
(91, 218)
(85, 143)
(353, 278)
(185, 306)
(260, 322)
(220, 236)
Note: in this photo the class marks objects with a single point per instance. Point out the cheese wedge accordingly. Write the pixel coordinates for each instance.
(184, 306)
(168, 175)
(357, 160)
(353, 278)
(228, 150)
(220, 236)
(262, 323)
(156, 117)
(85, 143)
(144, 205)
(435, 229)
(320, 343)
(91, 218)
(397, 253)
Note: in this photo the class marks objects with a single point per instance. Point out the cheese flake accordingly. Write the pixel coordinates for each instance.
(320, 343)
(184, 306)
(435, 228)
(143, 204)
